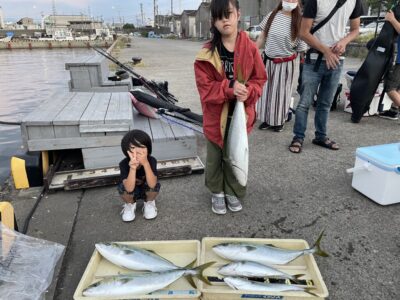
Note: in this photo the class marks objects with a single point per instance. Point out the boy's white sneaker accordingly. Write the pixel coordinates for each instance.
(128, 212)
(149, 210)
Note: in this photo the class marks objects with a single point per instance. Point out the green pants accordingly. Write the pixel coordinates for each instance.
(218, 174)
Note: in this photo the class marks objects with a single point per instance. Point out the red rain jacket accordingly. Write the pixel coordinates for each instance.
(214, 89)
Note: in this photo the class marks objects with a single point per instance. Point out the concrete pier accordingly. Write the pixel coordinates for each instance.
(36, 44)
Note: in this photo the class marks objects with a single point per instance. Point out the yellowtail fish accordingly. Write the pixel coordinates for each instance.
(264, 254)
(134, 258)
(138, 284)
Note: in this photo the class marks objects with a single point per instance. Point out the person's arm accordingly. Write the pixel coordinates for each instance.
(130, 182)
(211, 90)
(151, 178)
(261, 40)
(392, 20)
(340, 47)
(332, 59)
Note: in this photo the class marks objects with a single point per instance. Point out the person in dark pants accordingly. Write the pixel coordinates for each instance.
(322, 74)
(392, 80)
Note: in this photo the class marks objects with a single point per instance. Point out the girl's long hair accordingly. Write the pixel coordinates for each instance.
(219, 9)
(296, 20)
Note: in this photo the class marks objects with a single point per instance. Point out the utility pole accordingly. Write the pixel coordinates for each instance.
(155, 11)
(172, 7)
(141, 11)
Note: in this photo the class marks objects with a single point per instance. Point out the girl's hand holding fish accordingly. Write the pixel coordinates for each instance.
(240, 91)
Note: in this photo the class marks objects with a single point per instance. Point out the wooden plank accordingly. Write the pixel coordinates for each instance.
(73, 143)
(64, 131)
(73, 111)
(40, 132)
(161, 131)
(94, 75)
(80, 61)
(47, 110)
(96, 110)
(175, 149)
(119, 110)
(102, 157)
(104, 128)
(80, 78)
(142, 123)
(181, 132)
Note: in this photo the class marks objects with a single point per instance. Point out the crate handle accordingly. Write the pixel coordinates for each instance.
(364, 167)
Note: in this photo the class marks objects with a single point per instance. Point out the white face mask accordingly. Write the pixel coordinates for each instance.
(288, 6)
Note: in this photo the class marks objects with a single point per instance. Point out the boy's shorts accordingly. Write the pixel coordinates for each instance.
(140, 190)
(392, 80)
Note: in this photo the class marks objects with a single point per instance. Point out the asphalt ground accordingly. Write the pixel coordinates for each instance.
(289, 196)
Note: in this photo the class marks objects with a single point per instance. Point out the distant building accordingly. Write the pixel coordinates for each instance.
(74, 25)
(203, 21)
(188, 23)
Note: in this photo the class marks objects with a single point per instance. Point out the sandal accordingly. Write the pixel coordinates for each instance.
(326, 143)
(296, 145)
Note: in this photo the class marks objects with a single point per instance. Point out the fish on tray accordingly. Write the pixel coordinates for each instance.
(244, 284)
(253, 269)
(134, 258)
(264, 254)
(127, 285)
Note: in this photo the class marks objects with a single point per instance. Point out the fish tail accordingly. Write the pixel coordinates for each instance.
(296, 277)
(308, 291)
(317, 246)
(191, 265)
(199, 272)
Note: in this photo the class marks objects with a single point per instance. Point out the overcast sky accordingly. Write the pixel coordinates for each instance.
(127, 10)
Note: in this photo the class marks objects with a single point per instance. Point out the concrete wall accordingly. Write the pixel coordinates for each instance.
(203, 22)
(188, 26)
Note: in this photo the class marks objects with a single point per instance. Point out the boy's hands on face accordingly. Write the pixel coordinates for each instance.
(141, 155)
(133, 162)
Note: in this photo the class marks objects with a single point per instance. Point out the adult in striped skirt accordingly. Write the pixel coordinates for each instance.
(281, 47)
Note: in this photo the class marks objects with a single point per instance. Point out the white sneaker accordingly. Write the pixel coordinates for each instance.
(149, 210)
(128, 212)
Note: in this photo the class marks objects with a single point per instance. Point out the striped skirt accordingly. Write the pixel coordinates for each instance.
(273, 106)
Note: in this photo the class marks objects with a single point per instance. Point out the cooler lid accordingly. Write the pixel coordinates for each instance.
(385, 156)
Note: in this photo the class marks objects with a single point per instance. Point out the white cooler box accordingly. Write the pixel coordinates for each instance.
(376, 173)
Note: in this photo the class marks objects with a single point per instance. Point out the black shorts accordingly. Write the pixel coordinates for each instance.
(140, 190)
(392, 80)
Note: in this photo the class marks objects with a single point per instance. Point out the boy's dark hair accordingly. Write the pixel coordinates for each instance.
(219, 9)
(137, 138)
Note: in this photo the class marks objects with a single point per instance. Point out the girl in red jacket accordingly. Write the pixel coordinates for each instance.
(216, 69)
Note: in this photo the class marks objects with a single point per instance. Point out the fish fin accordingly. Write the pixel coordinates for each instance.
(308, 291)
(317, 246)
(191, 265)
(296, 277)
(270, 245)
(200, 269)
(191, 281)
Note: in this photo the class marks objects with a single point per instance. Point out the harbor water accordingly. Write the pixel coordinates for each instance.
(28, 77)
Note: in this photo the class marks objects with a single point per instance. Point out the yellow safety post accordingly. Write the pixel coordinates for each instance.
(7, 214)
(18, 173)
(45, 162)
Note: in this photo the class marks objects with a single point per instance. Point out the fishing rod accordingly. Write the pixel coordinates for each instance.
(151, 85)
(163, 111)
(170, 120)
